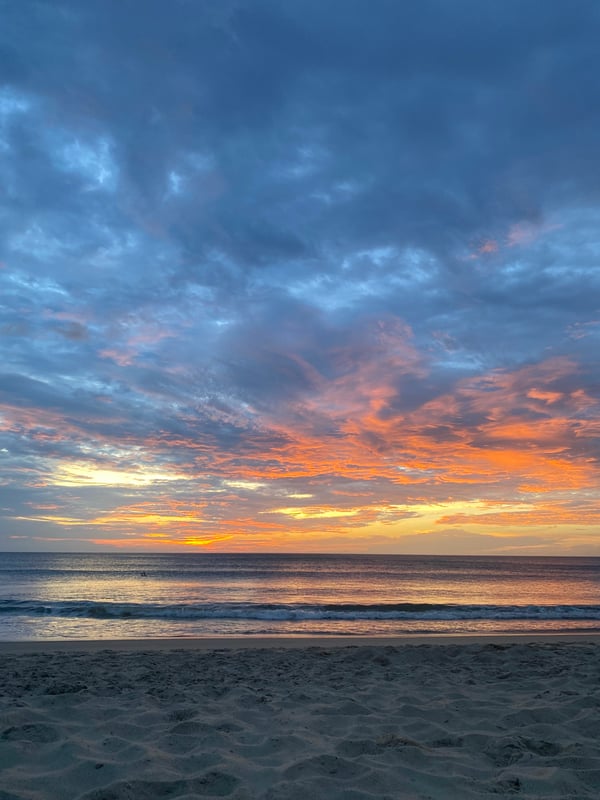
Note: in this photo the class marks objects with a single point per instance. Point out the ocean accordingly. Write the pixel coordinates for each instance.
(47, 596)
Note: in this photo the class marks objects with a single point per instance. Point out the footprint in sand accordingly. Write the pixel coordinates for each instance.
(212, 784)
(34, 732)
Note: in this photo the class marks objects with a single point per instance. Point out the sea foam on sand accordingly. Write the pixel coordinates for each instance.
(285, 723)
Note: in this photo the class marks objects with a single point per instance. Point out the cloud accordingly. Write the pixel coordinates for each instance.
(329, 251)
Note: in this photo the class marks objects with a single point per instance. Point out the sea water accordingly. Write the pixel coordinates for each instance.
(136, 596)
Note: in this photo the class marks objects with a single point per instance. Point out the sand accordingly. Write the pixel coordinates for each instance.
(139, 721)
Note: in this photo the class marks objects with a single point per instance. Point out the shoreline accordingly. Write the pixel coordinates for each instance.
(15, 647)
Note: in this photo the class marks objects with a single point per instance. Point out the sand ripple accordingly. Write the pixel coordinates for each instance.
(356, 723)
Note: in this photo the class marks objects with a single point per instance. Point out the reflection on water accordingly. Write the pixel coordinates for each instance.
(391, 579)
(188, 580)
(86, 629)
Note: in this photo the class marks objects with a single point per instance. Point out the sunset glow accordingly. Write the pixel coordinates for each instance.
(292, 279)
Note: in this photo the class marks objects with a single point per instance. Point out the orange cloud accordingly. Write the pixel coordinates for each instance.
(348, 456)
(489, 246)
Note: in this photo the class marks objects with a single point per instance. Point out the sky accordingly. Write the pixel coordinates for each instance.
(300, 276)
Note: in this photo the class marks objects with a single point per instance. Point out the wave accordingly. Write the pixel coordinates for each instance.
(308, 611)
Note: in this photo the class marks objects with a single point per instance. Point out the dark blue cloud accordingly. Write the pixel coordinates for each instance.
(206, 209)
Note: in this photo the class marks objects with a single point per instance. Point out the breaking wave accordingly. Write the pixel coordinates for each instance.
(297, 611)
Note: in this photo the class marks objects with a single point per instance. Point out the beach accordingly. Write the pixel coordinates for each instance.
(302, 718)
